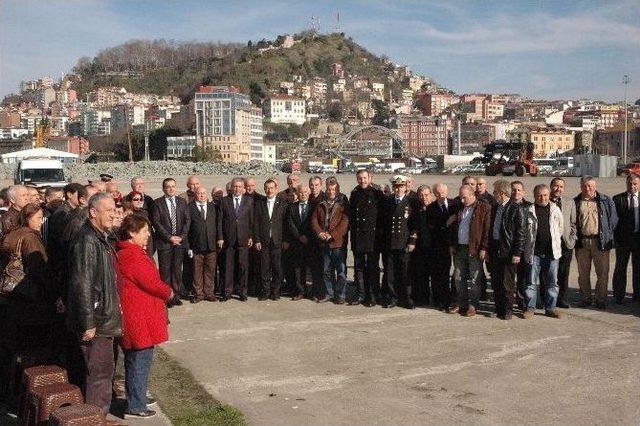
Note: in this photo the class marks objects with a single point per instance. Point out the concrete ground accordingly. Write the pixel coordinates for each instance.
(292, 363)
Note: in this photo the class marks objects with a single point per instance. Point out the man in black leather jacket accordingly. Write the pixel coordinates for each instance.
(506, 247)
(93, 304)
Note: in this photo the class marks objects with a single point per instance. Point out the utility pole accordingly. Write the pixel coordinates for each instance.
(625, 81)
(146, 145)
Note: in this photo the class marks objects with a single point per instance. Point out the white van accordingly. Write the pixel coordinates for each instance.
(40, 172)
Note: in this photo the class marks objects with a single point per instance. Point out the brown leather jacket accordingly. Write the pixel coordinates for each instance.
(478, 229)
(336, 226)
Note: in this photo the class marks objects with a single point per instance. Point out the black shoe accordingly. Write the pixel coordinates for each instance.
(224, 298)
(355, 302)
(262, 298)
(177, 302)
(150, 400)
(584, 303)
(409, 305)
(196, 300)
(141, 415)
(391, 304)
(243, 298)
(369, 303)
(601, 306)
(562, 304)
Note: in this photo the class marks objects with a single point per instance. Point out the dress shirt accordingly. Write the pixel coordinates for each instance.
(202, 208)
(270, 202)
(633, 205)
(464, 228)
(168, 200)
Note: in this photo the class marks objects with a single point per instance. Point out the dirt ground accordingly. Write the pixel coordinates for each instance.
(292, 363)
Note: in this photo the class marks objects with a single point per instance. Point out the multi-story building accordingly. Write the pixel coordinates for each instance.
(287, 88)
(422, 135)
(377, 91)
(407, 96)
(45, 96)
(180, 147)
(339, 85)
(492, 110)
(46, 82)
(11, 133)
(30, 121)
(473, 137)
(609, 141)
(227, 121)
(519, 134)
(126, 116)
(435, 104)
(286, 110)
(474, 106)
(547, 141)
(499, 130)
(9, 119)
(609, 117)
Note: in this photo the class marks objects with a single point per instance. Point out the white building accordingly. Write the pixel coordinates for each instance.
(11, 133)
(180, 147)
(286, 110)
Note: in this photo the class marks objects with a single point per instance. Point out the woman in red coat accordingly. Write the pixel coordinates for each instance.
(143, 297)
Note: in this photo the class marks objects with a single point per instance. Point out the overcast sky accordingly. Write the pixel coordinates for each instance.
(541, 49)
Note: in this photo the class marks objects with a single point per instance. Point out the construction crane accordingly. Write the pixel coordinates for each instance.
(43, 133)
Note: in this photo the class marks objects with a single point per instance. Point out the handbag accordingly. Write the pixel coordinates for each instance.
(13, 273)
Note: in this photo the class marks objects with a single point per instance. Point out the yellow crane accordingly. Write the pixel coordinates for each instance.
(43, 133)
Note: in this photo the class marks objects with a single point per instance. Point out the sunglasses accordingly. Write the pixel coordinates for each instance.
(136, 199)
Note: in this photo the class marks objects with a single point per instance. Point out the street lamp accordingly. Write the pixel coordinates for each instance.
(625, 81)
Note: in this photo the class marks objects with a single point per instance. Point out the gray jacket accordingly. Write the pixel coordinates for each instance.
(569, 233)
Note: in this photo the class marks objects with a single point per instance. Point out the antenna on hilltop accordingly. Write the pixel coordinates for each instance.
(337, 27)
(315, 24)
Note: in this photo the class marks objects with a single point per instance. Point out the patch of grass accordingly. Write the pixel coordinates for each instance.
(183, 400)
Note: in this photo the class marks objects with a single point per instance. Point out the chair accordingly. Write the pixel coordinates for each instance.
(46, 399)
(77, 415)
(33, 377)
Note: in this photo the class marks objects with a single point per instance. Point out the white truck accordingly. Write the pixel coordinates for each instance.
(40, 172)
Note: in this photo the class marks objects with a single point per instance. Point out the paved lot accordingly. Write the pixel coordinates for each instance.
(292, 363)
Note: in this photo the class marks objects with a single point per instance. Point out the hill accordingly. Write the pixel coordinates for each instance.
(171, 68)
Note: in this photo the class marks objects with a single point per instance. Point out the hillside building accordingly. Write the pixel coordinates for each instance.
(226, 120)
(286, 110)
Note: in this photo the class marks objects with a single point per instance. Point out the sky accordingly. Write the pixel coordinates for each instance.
(544, 49)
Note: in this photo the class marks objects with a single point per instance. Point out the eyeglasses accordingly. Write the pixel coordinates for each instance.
(136, 199)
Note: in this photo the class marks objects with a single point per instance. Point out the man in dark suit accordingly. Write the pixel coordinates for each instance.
(237, 213)
(627, 238)
(437, 214)
(171, 221)
(255, 277)
(204, 232)
(269, 221)
(298, 236)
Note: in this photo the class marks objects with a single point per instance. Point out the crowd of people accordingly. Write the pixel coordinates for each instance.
(91, 283)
